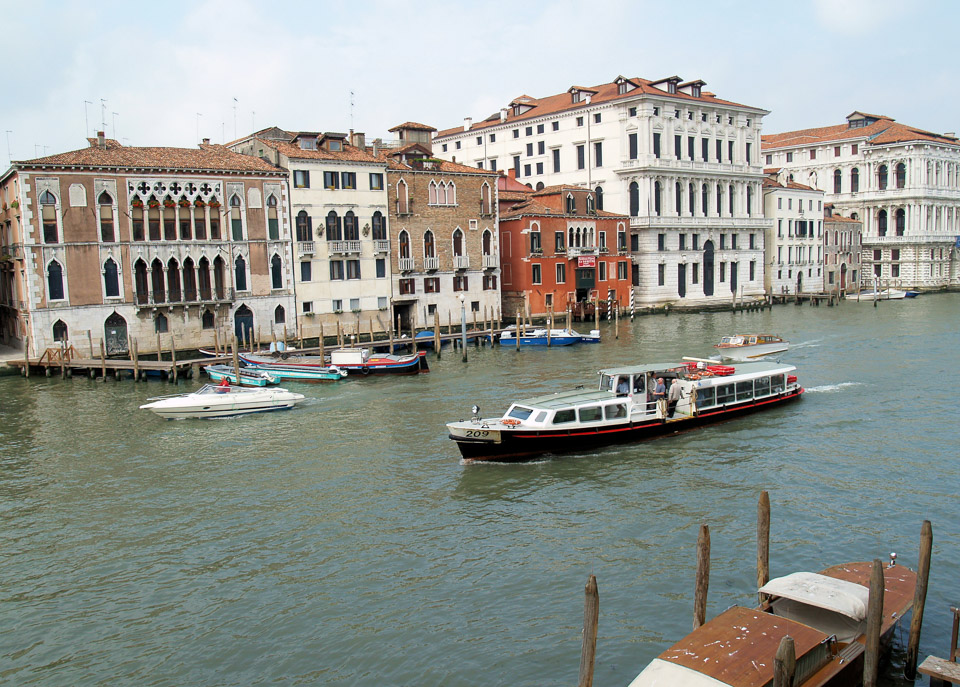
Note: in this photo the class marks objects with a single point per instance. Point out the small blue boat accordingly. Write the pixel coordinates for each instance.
(302, 373)
(248, 376)
(425, 339)
(539, 337)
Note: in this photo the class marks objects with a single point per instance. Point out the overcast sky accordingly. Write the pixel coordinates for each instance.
(157, 65)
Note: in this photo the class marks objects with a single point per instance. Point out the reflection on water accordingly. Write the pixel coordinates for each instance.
(344, 542)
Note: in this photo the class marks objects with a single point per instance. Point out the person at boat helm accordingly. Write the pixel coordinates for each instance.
(660, 396)
(623, 386)
(673, 397)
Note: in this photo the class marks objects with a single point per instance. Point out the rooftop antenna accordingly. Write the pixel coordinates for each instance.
(115, 125)
(198, 126)
(103, 114)
(351, 109)
(9, 154)
(223, 132)
(253, 118)
(86, 119)
(234, 119)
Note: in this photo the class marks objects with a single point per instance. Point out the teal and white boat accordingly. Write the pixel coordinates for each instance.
(302, 373)
(249, 376)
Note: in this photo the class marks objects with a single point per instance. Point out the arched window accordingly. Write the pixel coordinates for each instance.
(854, 215)
(236, 219)
(539, 186)
(105, 202)
(273, 218)
(403, 204)
(451, 193)
(854, 180)
(276, 271)
(189, 281)
(141, 282)
(703, 200)
(719, 200)
(882, 223)
(900, 219)
(404, 244)
(54, 281)
(208, 320)
(333, 227)
(136, 218)
(882, 177)
(48, 215)
(157, 278)
(241, 273)
(153, 221)
(730, 199)
(173, 280)
(691, 200)
(457, 242)
(304, 228)
(901, 175)
(111, 279)
(379, 227)
(350, 230)
(429, 249)
(432, 193)
(590, 205)
(634, 199)
(599, 191)
(571, 204)
(487, 242)
(279, 315)
(60, 331)
(203, 279)
(657, 194)
(220, 278)
(678, 200)
(837, 180)
(750, 200)
(160, 324)
(485, 207)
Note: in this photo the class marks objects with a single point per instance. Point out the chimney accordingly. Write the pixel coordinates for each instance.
(206, 141)
(377, 142)
(951, 134)
(512, 173)
(467, 123)
(358, 140)
(101, 140)
(503, 114)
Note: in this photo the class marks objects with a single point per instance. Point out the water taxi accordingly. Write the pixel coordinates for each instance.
(624, 408)
(749, 346)
(544, 337)
(825, 613)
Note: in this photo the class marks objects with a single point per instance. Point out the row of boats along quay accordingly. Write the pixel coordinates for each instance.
(607, 480)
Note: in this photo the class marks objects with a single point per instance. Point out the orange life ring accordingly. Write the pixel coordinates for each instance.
(510, 421)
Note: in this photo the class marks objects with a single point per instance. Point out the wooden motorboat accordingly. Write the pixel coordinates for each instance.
(541, 337)
(351, 359)
(249, 376)
(750, 346)
(302, 373)
(623, 409)
(825, 614)
(874, 295)
(213, 401)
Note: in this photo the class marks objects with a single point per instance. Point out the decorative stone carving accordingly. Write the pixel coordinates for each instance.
(254, 198)
(78, 196)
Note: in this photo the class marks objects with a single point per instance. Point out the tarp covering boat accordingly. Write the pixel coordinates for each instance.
(665, 674)
(847, 598)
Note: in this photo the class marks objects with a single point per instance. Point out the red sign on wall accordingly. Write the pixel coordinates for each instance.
(587, 261)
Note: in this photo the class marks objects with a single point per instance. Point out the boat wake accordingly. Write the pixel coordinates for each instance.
(832, 388)
(813, 343)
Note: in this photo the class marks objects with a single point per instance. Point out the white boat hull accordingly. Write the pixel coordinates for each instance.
(753, 352)
(212, 404)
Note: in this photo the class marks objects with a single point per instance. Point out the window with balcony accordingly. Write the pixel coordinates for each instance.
(158, 280)
(656, 145)
(334, 232)
(429, 247)
(457, 243)
(304, 228)
(657, 195)
(633, 151)
(351, 232)
(173, 280)
(882, 177)
(900, 175)
(882, 223)
(634, 193)
(379, 226)
(900, 221)
(404, 245)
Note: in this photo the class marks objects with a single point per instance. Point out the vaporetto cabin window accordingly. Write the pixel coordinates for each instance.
(590, 414)
(564, 416)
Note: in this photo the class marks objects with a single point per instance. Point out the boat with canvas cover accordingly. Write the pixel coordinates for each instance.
(358, 360)
(623, 409)
(750, 346)
(824, 613)
(219, 400)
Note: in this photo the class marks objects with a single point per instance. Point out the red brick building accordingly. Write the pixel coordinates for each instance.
(557, 250)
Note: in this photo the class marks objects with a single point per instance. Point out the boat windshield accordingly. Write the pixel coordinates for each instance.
(732, 340)
(520, 412)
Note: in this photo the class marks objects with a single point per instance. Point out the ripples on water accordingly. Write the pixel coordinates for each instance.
(344, 542)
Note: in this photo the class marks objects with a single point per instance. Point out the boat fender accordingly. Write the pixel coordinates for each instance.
(365, 370)
(511, 421)
(333, 369)
(284, 356)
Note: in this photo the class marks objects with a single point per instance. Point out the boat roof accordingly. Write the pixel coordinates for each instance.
(751, 367)
(829, 593)
(565, 399)
(642, 369)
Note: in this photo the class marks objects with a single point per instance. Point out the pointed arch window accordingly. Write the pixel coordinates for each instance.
(157, 281)
(208, 321)
(404, 245)
(173, 280)
(279, 315)
(485, 206)
(60, 332)
(189, 281)
(169, 219)
(236, 218)
(273, 218)
(403, 200)
(451, 193)
(599, 191)
(141, 282)
(379, 227)
(241, 273)
(590, 205)
(487, 242)
(136, 218)
(153, 223)
(854, 180)
(457, 243)
(276, 271)
(105, 203)
(48, 215)
(432, 194)
(54, 281)
(429, 246)
(220, 277)
(350, 230)
(571, 204)
(203, 280)
(160, 325)
(333, 227)
(111, 279)
(900, 175)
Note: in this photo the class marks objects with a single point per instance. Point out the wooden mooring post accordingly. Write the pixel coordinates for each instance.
(871, 657)
(785, 663)
(136, 361)
(26, 357)
(591, 619)
(919, 599)
(236, 360)
(103, 361)
(763, 542)
(173, 359)
(703, 577)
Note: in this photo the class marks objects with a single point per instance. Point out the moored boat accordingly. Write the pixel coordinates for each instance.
(350, 359)
(749, 346)
(544, 337)
(249, 376)
(824, 613)
(874, 295)
(213, 401)
(330, 373)
(623, 409)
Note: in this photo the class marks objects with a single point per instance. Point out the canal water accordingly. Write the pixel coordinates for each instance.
(345, 543)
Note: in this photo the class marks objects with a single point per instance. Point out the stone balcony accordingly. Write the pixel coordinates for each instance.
(491, 261)
(224, 296)
(343, 246)
(461, 262)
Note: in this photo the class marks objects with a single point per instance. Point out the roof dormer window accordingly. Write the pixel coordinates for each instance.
(695, 90)
(307, 143)
(575, 96)
(671, 86)
(336, 146)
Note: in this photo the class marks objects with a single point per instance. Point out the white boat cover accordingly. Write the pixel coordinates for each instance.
(847, 598)
(662, 673)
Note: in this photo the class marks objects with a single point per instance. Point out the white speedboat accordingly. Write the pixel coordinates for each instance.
(222, 401)
(872, 295)
(750, 346)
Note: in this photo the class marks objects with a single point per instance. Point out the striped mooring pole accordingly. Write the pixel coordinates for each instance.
(609, 305)
(631, 303)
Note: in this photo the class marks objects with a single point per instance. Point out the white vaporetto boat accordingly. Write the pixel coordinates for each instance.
(213, 401)
(750, 346)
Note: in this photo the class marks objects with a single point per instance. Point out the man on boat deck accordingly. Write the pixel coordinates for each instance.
(660, 396)
(673, 397)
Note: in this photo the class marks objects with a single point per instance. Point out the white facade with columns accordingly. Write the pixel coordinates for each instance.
(684, 164)
(903, 184)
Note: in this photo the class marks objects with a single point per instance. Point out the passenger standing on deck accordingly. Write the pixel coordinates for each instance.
(673, 397)
(660, 396)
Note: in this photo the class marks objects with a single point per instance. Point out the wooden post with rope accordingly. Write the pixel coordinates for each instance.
(703, 577)
(591, 618)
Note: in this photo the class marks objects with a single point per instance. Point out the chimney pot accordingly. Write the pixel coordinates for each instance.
(467, 123)
(503, 114)
(101, 139)
(512, 173)
(206, 141)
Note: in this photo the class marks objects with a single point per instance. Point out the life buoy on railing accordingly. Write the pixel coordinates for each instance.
(510, 421)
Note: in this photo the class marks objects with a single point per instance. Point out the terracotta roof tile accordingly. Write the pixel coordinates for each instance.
(295, 152)
(773, 183)
(531, 207)
(883, 131)
(113, 154)
(604, 93)
(413, 125)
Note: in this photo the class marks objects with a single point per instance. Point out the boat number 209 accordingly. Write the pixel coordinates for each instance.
(477, 433)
